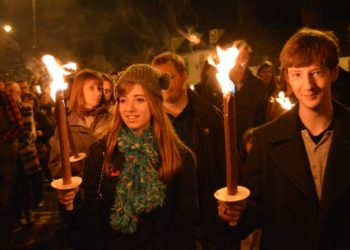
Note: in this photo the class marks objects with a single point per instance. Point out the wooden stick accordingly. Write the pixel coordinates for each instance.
(61, 119)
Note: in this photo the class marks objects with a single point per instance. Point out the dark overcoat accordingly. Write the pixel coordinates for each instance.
(284, 202)
(206, 140)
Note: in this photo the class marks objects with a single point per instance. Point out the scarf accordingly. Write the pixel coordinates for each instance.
(139, 189)
(98, 113)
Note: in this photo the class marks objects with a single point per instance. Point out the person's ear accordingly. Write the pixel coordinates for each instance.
(184, 77)
(335, 73)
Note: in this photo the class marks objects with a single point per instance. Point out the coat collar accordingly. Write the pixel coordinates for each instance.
(337, 175)
(291, 158)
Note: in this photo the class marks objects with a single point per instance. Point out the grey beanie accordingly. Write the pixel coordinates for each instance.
(145, 75)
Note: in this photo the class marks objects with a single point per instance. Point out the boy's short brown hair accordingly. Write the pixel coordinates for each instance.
(169, 56)
(310, 46)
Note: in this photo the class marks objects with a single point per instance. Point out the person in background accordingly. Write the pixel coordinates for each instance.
(31, 180)
(108, 98)
(24, 85)
(11, 126)
(2, 84)
(265, 71)
(47, 107)
(297, 170)
(200, 126)
(13, 89)
(44, 131)
(209, 87)
(138, 183)
(28, 164)
(251, 94)
(87, 118)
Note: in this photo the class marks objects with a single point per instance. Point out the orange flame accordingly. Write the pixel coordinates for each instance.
(70, 66)
(284, 101)
(192, 37)
(227, 62)
(38, 89)
(57, 73)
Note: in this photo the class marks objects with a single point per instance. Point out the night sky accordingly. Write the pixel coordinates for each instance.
(124, 31)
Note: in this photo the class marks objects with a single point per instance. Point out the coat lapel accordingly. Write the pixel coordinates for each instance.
(288, 153)
(337, 175)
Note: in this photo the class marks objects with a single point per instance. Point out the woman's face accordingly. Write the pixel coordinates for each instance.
(92, 93)
(29, 100)
(266, 75)
(134, 109)
(14, 90)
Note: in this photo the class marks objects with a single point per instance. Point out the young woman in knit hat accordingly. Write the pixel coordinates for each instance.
(138, 189)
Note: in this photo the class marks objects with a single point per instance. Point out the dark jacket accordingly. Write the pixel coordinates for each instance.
(206, 139)
(172, 226)
(341, 88)
(210, 91)
(284, 201)
(251, 103)
(42, 122)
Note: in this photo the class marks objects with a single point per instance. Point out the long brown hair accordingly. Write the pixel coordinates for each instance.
(76, 99)
(168, 143)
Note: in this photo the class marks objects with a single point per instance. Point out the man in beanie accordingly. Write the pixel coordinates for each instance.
(200, 126)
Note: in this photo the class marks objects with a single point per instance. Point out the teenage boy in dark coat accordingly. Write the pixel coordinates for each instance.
(298, 169)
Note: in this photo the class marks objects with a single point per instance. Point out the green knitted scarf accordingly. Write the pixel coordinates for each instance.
(139, 189)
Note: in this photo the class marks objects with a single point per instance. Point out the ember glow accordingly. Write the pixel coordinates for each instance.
(227, 60)
(192, 37)
(57, 73)
(7, 28)
(38, 89)
(72, 66)
(284, 101)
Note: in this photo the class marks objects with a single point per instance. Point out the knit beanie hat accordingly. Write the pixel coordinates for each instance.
(145, 75)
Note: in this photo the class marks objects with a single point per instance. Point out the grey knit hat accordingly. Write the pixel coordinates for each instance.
(145, 75)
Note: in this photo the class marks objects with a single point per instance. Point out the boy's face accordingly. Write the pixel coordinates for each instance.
(312, 85)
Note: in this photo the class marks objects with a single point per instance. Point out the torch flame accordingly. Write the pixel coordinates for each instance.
(57, 73)
(284, 101)
(38, 89)
(227, 62)
(70, 66)
(192, 37)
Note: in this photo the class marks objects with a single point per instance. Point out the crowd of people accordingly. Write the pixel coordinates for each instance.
(155, 154)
